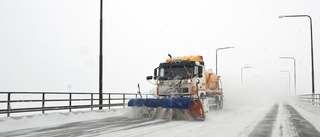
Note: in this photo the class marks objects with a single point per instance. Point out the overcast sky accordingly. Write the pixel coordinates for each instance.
(53, 45)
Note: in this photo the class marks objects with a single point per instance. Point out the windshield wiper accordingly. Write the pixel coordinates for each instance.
(187, 71)
(172, 74)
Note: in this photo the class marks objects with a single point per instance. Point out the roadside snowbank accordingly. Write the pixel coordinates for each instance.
(308, 111)
(58, 118)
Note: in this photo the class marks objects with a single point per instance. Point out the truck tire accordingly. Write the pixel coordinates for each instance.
(221, 103)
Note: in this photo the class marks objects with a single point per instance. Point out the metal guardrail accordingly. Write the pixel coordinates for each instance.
(314, 99)
(13, 102)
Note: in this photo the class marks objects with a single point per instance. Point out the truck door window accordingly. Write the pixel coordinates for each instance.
(161, 72)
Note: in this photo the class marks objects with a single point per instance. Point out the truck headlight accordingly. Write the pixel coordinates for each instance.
(159, 82)
(189, 80)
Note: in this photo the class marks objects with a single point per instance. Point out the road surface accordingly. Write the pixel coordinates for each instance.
(272, 119)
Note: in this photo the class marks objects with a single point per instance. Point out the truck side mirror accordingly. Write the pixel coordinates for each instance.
(200, 71)
(149, 77)
(155, 73)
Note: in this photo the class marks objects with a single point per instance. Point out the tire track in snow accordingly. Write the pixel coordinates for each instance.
(85, 128)
(301, 126)
(266, 126)
(294, 124)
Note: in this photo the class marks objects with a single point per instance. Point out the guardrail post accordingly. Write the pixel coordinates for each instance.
(43, 100)
(136, 95)
(109, 100)
(312, 100)
(70, 97)
(124, 100)
(8, 105)
(318, 100)
(91, 101)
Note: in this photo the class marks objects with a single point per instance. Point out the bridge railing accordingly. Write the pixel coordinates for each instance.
(23, 102)
(313, 99)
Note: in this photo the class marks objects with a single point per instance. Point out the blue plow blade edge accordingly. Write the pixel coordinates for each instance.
(179, 103)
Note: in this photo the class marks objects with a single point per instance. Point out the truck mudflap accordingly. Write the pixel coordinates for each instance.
(194, 105)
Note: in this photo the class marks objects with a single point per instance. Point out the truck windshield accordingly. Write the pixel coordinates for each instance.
(176, 71)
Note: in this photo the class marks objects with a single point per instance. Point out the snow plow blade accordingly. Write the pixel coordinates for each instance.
(193, 107)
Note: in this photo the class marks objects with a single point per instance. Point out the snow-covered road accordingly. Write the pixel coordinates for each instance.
(264, 118)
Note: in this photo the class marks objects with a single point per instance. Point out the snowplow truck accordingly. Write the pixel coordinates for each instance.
(184, 85)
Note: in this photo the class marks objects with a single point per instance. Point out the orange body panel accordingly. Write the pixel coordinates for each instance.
(185, 58)
(212, 85)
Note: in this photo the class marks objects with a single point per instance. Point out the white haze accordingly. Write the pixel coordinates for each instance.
(54, 45)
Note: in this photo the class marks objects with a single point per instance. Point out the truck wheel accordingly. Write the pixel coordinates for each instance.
(202, 96)
(221, 104)
(217, 103)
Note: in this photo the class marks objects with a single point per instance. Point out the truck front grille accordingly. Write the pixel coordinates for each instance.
(184, 90)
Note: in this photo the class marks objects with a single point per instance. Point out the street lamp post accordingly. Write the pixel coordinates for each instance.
(100, 60)
(295, 79)
(288, 80)
(217, 57)
(242, 71)
(312, 66)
